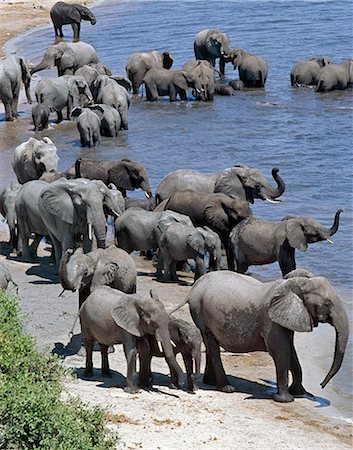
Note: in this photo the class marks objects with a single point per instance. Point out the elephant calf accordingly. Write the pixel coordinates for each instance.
(88, 124)
(5, 277)
(7, 210)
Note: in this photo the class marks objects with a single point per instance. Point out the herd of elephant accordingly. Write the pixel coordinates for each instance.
(191, 215)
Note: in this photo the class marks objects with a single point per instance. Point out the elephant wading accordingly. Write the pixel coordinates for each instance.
(242, 314)
(40, 116)
(110, 120)
(202, 74)
(141, 62)
(257, 241)
(252, 69)
(112, 317)
(63, 13)
(13, 70)
(305, 72)
(335, 77)
(88, 124)
(162, 82)
(90, 72)
(7, 210)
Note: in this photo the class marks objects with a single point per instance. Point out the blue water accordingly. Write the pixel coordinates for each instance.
(307, 135)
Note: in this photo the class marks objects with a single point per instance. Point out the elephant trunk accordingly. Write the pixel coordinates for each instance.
(162, 334)
(96, 218)
(340, 322)
(336, 221)
(44, 64)
(68, 278)
(280, 183)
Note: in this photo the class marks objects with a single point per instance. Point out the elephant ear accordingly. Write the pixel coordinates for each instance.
(125, 175)
(28, 158)
(74, 14)
(57, 201)
(288, 310)
(215, 215)
(126, 316)
(295, 234)
(196, 241)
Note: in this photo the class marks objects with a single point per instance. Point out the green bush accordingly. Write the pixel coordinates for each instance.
(32, 413)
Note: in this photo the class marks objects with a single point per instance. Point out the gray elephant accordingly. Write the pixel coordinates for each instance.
(242, 181)
(5, 277)
(305, 72)
(213, 44)
(67, 57)
(237, 85)
(7, 209)
(66, 91)
(71, 209)
(90, 72)
(40, 116)
(109, 91)
(34, 157)
(147, 204)
(253, 69)
(202, 75)
(180, 242)
(110, 119)
(173, 83)
(88, 124)
(140, 63)
(242, 314)
(112, 317)
(62, 13)
(13, 70)
(335, 77)
(224, 89)
(257, 241)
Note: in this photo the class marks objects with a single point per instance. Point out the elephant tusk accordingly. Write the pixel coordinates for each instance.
(160, 347)
(90, 231)
(61, 293)
(147, 195)
(173, 343)
(329, 241)
(269, 200)
(115, 213)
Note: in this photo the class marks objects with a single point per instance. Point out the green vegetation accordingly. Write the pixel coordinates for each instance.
(32, 413)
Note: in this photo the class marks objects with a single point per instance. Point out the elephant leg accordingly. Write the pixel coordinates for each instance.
(187, 358)
(34, 246)
(214, 372)
(296, 388)
(172, 93)
(89, 343)
(222, 66)
(60, 116)
(105, 362)
(182, 94)
(14, 105)
(124, 121)
(130, 350)
(8, 112)
(200, 267)
(173, 271)
(76, 30)
(286, 259)
(145, 357)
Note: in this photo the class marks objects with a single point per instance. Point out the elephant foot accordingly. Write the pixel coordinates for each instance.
(228, 389)
(299, 391)
(191, 389)
(173, 386)
(131, 390)
(283, 397)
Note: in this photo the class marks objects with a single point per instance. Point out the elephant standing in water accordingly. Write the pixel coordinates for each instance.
(252, 69)
(63, 13)
(88, 124)
(202, 73)
(13, 70)
(335, 76)
(305, 72)
(257, 241)
(242, 314)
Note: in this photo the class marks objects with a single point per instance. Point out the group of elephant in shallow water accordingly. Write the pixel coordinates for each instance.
(192, 214)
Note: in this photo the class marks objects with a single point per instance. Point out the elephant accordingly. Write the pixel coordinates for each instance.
(13, 70)
(112, 317)
(256, 241)
(88, 124)
(40, 116)
(124, 174)
(335, 76)
(237, 85)
(110, 120)
(239, 180)
(162, 82)
(147, 204)
(109, 91)
(305, 72)
(90, 72)
(140, 63)
(224, 89)
(62, 13)
(71, 208)
(252, 69)
(67, 57)
(242, 314)
(180, 242)
(5, 277)
(213, 44)
(34, 157)
(201, 73)
(7, 209)
(218, 211)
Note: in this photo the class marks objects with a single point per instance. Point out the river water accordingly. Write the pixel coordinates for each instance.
(306, 134)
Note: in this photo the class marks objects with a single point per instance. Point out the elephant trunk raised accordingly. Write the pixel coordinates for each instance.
(162, 335)
(272, 193)
(336, 222)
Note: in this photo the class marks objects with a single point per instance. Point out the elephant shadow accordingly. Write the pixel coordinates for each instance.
(5, 249)
(45, 271)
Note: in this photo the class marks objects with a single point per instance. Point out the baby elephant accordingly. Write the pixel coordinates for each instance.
(40, 116)
(5, 277)
(88, 124)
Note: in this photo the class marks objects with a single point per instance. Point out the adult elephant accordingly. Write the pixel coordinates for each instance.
(125, 174)
(243, 314)
(202, 74)
(256, 241)
(88, 124)
(67, 57)
(305, 72)
(173, 83)
(66, 91)
(253, 69)
(34, 157)
(335, 77)
(217, 211)
(213, 44)
(71, 209)
(113, 317)
(13, 70)
(7, 209)
(90, 72)
(240, 180)
(140, 63)
(63, 13)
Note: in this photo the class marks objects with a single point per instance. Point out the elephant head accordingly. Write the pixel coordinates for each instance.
(204, 240)
(80, 12)
(201, 74)
(129, 175)
(248, 183)
(76, 269)
(217, 43)
(53, 56)
(237, 55)
(79, 92)
(301, 301)
(40, 156)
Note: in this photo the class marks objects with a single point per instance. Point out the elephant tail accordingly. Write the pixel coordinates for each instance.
(319, 87)
(176, 308)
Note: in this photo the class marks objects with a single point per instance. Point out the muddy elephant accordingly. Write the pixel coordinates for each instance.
(212, 44)
(67, 57)
(202, 74)
(242, 181)
(7, 209)
(110, 317)
(140, 63)
(34, 157)
(335, 77)
(13, 70)
(305, 72)
(88, 124)
(63, 13)
(256, 241)
(242, 314)
(253, 69)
